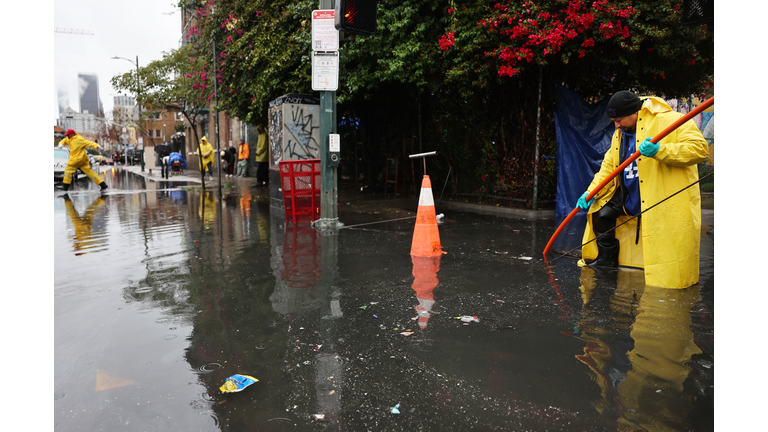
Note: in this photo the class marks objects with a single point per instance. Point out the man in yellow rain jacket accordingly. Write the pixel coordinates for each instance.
(206, 159)
(78, 158)
(671, 231)
(262, 158)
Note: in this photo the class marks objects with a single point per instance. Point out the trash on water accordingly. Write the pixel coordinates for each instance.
(526, 258)
(468, 318)
(320, 417)
(396, 409)
(406, 333)
(237, 383)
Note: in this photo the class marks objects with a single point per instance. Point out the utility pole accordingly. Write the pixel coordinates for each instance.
(216, 121)
(329, 192)
(138, 105)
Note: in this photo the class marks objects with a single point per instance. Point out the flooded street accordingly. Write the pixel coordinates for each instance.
(162, 291)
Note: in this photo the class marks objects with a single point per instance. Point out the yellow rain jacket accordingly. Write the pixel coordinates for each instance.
(262, 155)
(671, 231)
(207, 150)
(77, 154)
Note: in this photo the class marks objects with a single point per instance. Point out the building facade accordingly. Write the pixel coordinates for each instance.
(88, 88)
(79, 122)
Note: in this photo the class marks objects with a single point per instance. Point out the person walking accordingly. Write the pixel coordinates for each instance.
(78, 159)
(242, 158)
(205, 153)
(262, 158)
(671, 232)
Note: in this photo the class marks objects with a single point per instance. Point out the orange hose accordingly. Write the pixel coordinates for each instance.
(709, 102)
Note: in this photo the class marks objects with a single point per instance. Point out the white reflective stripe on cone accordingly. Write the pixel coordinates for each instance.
(425, 198)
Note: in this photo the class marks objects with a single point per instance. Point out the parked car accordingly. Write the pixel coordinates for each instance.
(60, 158)
(108, 161)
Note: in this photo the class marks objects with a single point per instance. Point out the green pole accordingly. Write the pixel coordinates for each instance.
(329, 194)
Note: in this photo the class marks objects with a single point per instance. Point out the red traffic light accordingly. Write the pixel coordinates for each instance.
(356, 16)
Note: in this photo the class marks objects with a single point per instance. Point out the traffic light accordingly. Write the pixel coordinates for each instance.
(356, 16)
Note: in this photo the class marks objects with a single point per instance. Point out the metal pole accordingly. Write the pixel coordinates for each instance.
(138, 86)
(423, 157)
(329, 194)
(536, 156)
(216, 99)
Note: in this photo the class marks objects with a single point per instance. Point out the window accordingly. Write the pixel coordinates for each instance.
(157, 133)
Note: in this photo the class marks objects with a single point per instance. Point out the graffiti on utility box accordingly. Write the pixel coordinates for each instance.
(294, 128)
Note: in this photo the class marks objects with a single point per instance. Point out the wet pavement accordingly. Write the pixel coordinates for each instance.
(162, 291)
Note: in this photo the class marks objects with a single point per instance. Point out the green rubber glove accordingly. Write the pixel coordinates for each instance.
(582, 203)
(648, 149)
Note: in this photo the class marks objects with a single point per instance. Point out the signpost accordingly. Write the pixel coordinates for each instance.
(325, 77)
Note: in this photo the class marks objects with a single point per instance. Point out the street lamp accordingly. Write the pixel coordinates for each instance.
(138, 92)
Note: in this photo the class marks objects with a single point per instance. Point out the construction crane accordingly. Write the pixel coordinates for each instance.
(73, 31)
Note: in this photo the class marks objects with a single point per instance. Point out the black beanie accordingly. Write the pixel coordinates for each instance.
(623, 103)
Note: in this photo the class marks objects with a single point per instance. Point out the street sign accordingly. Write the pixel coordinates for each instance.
(325, 71)
(325, 37)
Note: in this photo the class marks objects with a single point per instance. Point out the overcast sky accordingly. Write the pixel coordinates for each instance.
(143, 28)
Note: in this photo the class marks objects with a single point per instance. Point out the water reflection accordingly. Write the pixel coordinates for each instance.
(207, 209)
(296, 266)
(199, 287)
(424, 282)
(638, 348)
(85, 222)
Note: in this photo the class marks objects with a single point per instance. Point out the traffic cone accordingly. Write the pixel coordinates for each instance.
(426, 238)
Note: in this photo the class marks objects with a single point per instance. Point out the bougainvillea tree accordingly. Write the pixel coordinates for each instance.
(613, 44)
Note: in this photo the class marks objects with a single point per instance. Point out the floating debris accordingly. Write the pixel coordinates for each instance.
(237, 383)
(468, 318)
(396, 409)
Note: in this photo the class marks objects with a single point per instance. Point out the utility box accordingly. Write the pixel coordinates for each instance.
(294, 134)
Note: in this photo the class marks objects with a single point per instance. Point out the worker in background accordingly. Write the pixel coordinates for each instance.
(262, 158)
(243, 152)
(78, 159)
(229, 156)
(205, 153)
(671, 232)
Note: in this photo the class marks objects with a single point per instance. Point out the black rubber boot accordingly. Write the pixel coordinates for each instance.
(66, 186)
(103, 185)
(608, 255)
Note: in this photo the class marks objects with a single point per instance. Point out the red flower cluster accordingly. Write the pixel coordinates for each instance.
(447, 41)
(538, 30)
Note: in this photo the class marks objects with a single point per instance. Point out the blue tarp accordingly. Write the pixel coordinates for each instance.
(583, 132)
(177, 156)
